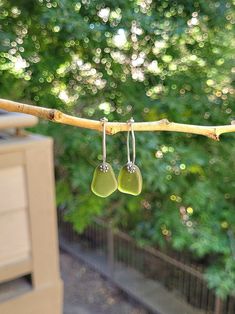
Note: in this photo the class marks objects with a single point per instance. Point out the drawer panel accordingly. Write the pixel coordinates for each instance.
(12, 188)
(14, 237)
(12, 159)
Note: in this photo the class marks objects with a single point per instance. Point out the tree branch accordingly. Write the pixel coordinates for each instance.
(115, 127)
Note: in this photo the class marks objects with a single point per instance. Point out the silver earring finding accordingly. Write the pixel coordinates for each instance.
(104, 166)
(104, 182)
(131, 163)
(129, 178)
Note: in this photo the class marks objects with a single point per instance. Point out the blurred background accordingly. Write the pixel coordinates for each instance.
(151, 60)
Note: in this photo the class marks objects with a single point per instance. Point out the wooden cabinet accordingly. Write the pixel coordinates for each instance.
(28, 225)
(14, 225)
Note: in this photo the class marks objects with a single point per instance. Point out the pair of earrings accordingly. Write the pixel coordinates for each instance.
(129, 180)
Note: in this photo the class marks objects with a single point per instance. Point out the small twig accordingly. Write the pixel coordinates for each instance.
(114, 127)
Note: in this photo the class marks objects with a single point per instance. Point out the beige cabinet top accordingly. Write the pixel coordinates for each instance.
(16, 120)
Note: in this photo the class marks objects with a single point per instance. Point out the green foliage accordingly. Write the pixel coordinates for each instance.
(150, 60)
(222, 277)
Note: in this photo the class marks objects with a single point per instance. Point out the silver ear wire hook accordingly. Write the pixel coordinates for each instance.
(104, 166)
(131, 163)
(104, 182)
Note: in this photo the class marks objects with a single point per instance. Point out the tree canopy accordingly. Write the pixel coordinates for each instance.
(149, 59)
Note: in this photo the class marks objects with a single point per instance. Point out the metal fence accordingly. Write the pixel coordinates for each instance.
(171, 270)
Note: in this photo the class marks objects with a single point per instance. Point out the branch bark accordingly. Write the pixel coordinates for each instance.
(114, 127)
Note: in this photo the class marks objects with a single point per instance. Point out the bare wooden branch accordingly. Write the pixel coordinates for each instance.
(114, 127)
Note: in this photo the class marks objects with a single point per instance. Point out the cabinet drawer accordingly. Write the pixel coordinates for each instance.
(14, 237)
(12, 188)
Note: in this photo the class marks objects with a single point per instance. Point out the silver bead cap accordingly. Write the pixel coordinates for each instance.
(131, 168)
(104, 167)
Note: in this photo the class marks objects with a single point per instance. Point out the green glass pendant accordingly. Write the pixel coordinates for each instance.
(130, 179)
(104, 182)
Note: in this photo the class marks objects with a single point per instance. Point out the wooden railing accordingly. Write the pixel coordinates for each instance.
(174, 273)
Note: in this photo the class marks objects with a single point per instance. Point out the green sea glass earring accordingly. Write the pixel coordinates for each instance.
(104, 182)
(129, 178)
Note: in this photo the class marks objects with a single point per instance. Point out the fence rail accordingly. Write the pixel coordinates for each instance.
(185, 280)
